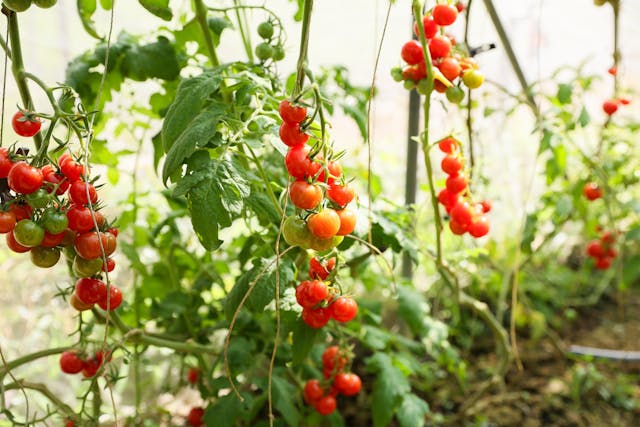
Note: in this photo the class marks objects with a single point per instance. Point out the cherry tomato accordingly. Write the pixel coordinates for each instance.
(456, 183)
(451, 164)
(454, 94)
(319, 270)
(311, 293)
(592, 191)
(603, 263)
(54, 221)
(77, 304)
(447, 198)
(461, 213)
(325, 405)
(78, 193)
(347, 222)
(295, 232)
(448, 145)
(70, 363)
(322, 245)
(88, 290)
(38, 199)
(28, 233)
(24, 178)
(316, 317)
(304, 195)
(7, 221)
(54, 180)
(91, 367)
(457, 228)
(343, 309)
(24, 126)
(193, 375)
(335, 171)
(444, 14)
(45, 4)
(439, 47)
(86, 267)
(450, 68)
(411, 52)
(114, 300)
(292, 135)
(312, 391)
(109, 266)
(291, 113)
(472, 79)
(265, 30)
(341, 195)
(70, 168)
(195, 417)
(5, 162)
(52, 240)
(324, 224)
(479, 226)
(297, 161)
(430, 27)
(610, 107)
(13, 244)
(486, 206)
(348, 384)
(594, 249)
(17, 5)
(87, 245)
(80, 219)
(44, 257)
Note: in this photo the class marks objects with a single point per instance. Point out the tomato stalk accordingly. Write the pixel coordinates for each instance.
(245, 35)
(304, 44)
(17, 65)
(469, 121)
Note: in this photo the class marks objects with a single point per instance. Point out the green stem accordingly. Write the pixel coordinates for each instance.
(17, 67)
(469, 122)
(44, 390)
(265, 179)
(4, 370)
(616, 45)
(201, 16)
(5, 47)
(304, 44)
(417, 12)
(246, 36)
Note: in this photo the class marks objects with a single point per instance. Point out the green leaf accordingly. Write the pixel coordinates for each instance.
(86, 9)
(224, 412)
(303, 339)
(106, 4)
(358, 116)
(217, 24)
(263, 207)
(388, 390)
(215, 195)
(197, 134)
(564, 93)
(412, 411)
(283, 402)
(153, 60)
(412, 308)
(265, 288)
(160, 8)
(190, 99)
(584, 117)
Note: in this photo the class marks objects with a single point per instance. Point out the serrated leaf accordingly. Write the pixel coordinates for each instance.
(188, 103)
(412, 411)
(159, 8)
(197, 134)
(86, 9)
(388, 390)
(282, 401)
(263, 207)
(215, 195)
(264, 290)
(303, 339)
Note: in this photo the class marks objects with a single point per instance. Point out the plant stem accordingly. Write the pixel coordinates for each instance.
(616, 45)
(304, 44)
(29, 358)
(246, 36)
(44, 390)
(469, 122)
(17, 66)
(267, 184)
(201, 16)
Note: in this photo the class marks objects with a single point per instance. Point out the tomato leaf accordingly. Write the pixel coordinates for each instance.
(215, 196)
(86, 9)
(225, 412)
(412, 411)
(159, 8)
(413, 309)
(303, 339)
(264, 290)
(388, 389)
(153, 60)
(217, 24)
(282, 392)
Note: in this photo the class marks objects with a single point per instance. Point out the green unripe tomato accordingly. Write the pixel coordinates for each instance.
(86, 267)
(423, 87)
(322, 245)
(264, 51)
(396, 74)
(38, 199)
(472, 79)
(45, 4)
(278, 53)
(409, 84)
(55, 221)
(295, 231)
(265, 30)
(28, 233)
(455, 94)
(44, 257)
(17, 5)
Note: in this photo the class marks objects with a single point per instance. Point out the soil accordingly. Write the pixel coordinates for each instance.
(556, 389)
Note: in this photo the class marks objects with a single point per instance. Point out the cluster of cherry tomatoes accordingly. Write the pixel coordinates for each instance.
(602, 250)
(321, 394)
(319, 190)
(320, 301)
(466, 216)
(72, 362)
(451, 64)
(53, 207)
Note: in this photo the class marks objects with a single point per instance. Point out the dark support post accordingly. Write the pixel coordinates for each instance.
(410, 186)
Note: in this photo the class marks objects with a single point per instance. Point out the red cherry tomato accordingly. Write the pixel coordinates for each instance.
(444, 14)
(292, 135)
(347, 222)
(439, 47)
(78, 193)
(113, 301)
(341, 195)
(312, 391)
(316, 317)
(430, 27)
(325, 405)
(450, 68)
(195, 417)
(88, 290)
(451, 164)
(70, 363)
(304, 195)
(291, 113)
(297, 161)
(7, 221)
(610, 107)
(411, 52)
(456, 183)
(24, 178)
(25, 127)
(5, 162)
(344, 309)
(324, 224)
(592, 191)
(348, 384)
(479, 226)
